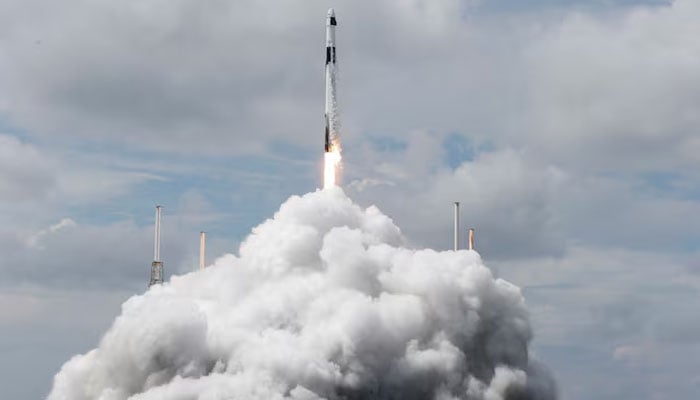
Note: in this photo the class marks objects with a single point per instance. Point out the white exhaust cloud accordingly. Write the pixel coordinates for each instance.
(323, 301)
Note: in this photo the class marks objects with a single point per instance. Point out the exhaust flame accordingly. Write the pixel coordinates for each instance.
(331, 164)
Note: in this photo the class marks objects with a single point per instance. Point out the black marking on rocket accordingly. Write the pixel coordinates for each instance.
(333, 23)
(330, 55)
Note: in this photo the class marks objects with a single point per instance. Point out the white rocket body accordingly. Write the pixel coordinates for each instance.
(331, 107)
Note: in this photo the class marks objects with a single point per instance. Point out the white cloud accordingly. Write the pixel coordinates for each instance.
(35, 239)
(610, 92)
(509, 198)
(25, 174)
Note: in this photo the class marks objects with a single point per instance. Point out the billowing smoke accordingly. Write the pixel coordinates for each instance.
(323, 301)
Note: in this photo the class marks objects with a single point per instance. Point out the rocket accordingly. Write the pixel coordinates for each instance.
(331, 109)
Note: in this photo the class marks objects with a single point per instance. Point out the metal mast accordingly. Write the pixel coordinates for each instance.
(157, 264)
(456, 237)
(202, 249)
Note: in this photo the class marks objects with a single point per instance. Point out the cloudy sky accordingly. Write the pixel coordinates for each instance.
(568, 129)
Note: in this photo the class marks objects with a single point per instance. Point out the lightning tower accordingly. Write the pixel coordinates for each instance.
(202, 249)
(157, 264)
(456, 227)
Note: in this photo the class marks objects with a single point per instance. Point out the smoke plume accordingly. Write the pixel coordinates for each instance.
(322, 302)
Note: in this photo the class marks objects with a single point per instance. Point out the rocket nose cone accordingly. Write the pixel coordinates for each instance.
(331, 13)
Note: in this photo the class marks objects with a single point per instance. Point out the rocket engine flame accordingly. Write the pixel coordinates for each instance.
(331, 166)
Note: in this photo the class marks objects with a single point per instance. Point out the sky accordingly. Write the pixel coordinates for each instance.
(568, 130)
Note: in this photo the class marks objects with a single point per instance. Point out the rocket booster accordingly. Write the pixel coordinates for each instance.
(331, 109)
